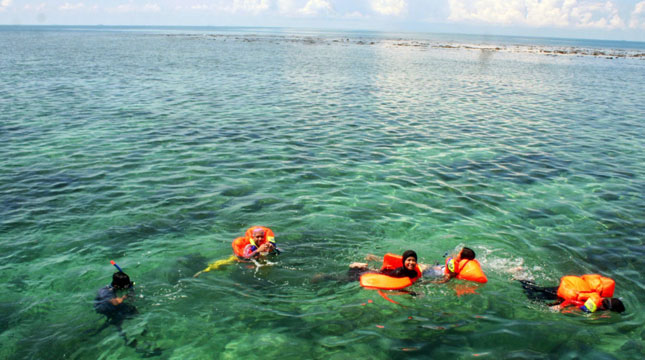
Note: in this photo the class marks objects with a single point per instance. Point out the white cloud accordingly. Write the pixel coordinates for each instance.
(548, 12)
(637, 19)
(489, 11)
(149, 7)
(285, 6)
(39, 7)
(253, 7)
(538, 13)
(389, 7)
(315, 7)
(596, 15)
(132, 8)
(67, 6)
(125, 8)
(197, 7)
(354, 15)
(4, 4)
(246, 6)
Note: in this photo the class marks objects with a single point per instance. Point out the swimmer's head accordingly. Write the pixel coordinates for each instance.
(613, 304)
(467, 254)
(409, 259)
(121, 280)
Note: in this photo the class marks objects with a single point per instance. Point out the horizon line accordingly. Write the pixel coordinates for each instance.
(325, 29)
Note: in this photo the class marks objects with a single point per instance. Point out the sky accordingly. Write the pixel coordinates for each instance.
(591, 19)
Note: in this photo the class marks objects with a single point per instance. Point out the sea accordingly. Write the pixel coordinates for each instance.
(155, 147)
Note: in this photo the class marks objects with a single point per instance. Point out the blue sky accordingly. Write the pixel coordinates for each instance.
(597, 19)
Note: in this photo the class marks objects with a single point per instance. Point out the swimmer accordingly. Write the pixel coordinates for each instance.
(589, 293)
(463, 266)
(409, 263)
(113, 302)
(257, 241)
(109, 303)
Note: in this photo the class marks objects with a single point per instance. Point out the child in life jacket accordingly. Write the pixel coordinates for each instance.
(589, 293)
(463, 267)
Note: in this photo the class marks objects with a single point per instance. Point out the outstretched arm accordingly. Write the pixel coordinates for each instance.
(443, 280)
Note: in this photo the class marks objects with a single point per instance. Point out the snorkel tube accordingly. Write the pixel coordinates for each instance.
(117, 266)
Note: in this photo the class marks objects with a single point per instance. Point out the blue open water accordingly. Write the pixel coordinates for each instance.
(156, 147)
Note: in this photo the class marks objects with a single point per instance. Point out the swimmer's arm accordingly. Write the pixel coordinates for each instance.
(443, 280)
(263, 248)
(118, 300)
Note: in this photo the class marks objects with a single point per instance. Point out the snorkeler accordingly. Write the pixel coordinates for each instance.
(113, 302)
(109, 303)
(589, 293)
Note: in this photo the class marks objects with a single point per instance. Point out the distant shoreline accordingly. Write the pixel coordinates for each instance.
(486, 44)
(421, 38)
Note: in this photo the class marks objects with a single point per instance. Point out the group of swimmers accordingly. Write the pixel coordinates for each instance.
(590, 293)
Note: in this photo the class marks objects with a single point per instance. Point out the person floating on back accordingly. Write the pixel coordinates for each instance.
(397, 272)
(589, 293)
(464, 266)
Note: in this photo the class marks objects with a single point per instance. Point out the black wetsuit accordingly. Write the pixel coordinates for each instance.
(102, 304)
(539, 293)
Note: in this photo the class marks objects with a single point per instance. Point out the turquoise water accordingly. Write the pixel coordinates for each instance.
(157, 147)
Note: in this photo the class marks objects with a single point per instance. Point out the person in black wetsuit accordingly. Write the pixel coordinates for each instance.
(550, 294)
(109, 303)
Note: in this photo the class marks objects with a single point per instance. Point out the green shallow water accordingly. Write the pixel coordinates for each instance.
(157, 148)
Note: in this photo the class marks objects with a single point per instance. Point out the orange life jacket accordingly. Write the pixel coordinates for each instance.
(466, 269)
(586, 290)
(382, 281)
(239, 244)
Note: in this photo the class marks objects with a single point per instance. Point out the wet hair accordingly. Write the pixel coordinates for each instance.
(121, 280)
(258, 230)
(407, 254)
(467, 253)
(613, 304)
